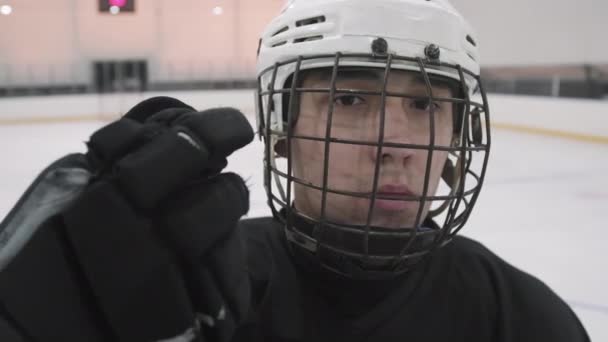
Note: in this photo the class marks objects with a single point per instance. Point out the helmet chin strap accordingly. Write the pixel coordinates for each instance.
(310, 253)
(342, 265)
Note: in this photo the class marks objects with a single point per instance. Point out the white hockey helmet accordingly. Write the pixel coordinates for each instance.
(425, 36)
(410, 28)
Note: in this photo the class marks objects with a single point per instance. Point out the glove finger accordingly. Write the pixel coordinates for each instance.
(222, 130)
(160, 167)
(203, 215)
(169, 115)
(113, 141)
(149, 107)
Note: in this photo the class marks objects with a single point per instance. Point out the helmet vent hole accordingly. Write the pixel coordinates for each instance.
(279, 43)
(307, 39)
(471, 57)
(281, 31)
(310, 21)
(470, 40)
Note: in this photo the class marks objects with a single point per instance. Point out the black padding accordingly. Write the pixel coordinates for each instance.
(205, 295)
(476, 127)
(133, 277)
(202, 215)
(159, 168)
(449, 170)
(42, 290)
(148, 107)
(8, 333)
(228, 264)
(200, 225)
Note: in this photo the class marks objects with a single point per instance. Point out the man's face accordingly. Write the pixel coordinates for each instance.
(351, 167)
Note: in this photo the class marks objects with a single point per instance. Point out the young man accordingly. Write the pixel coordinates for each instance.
(376, 149)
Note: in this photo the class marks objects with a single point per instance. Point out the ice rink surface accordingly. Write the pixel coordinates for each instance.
(544, 207)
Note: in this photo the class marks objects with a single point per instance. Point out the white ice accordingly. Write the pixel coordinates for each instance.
(544, 207)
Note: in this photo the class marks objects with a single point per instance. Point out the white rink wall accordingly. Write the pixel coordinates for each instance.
(542, 115)
(578, 116)
(41, 109)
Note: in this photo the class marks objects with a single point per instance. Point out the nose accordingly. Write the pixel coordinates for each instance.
(396, 130)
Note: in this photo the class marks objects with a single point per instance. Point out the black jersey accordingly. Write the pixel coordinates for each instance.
(462, 293)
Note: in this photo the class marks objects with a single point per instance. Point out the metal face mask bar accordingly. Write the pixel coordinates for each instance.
(363, 249)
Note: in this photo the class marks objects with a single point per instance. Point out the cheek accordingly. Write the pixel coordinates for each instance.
(344, 174)
(420, 131)
(349, 168)
(347, 165)
(346, 161)
(307, 159)
(417, 169)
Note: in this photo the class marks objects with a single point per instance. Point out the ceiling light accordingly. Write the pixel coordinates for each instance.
(6, 10)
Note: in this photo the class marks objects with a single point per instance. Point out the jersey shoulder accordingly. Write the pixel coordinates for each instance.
(527, 309)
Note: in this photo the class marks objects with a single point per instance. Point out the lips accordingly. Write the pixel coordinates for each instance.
(395, 190)
(392, 197)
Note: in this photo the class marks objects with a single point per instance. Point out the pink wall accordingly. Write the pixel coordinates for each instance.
(38, 34)
(179, 38)
(54, 41)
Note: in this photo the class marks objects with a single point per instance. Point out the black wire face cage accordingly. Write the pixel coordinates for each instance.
(367, 250)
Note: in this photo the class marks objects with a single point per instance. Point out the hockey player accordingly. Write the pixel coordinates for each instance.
(376, 133)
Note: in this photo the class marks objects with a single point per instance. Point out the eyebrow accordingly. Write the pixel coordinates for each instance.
(418, 79)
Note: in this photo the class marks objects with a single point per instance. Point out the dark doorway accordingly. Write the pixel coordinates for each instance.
(120, 76)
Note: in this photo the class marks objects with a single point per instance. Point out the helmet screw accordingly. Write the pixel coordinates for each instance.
(379, 46)
(432, 51)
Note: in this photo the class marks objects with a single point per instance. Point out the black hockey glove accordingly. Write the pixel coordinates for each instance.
(152, 238)
(167, 166)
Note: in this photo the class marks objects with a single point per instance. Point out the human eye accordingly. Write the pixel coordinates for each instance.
(347, 100)
(425, 105)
